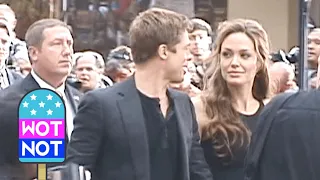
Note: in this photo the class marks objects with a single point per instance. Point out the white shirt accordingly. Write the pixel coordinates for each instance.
(4, 79)
(107, 79)
(60, 90)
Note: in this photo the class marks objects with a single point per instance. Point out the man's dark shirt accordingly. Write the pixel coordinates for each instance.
(162, 139)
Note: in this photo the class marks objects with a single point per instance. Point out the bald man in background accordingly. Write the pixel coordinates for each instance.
(282, 78)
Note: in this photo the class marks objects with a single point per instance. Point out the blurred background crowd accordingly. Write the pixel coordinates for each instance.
(102, 56)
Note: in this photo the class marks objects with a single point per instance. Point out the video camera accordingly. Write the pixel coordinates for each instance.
(281, 56)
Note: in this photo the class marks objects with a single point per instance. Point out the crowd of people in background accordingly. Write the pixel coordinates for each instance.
(119, 64)
(182, 101)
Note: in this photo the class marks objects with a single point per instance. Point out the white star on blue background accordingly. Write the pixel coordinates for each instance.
(42, 104)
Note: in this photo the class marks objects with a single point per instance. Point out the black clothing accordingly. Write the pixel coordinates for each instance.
(232, 168)
(162, 138)
(286, 143)
(9, 104)
(114, 143)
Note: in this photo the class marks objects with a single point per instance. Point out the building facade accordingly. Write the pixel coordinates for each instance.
(280, 18)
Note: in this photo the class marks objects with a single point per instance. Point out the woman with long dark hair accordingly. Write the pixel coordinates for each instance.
(236, 85)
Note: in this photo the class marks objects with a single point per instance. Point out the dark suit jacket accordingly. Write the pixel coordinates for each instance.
(288, 142)
(13, 76)
(9, 103)
(110, 136)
